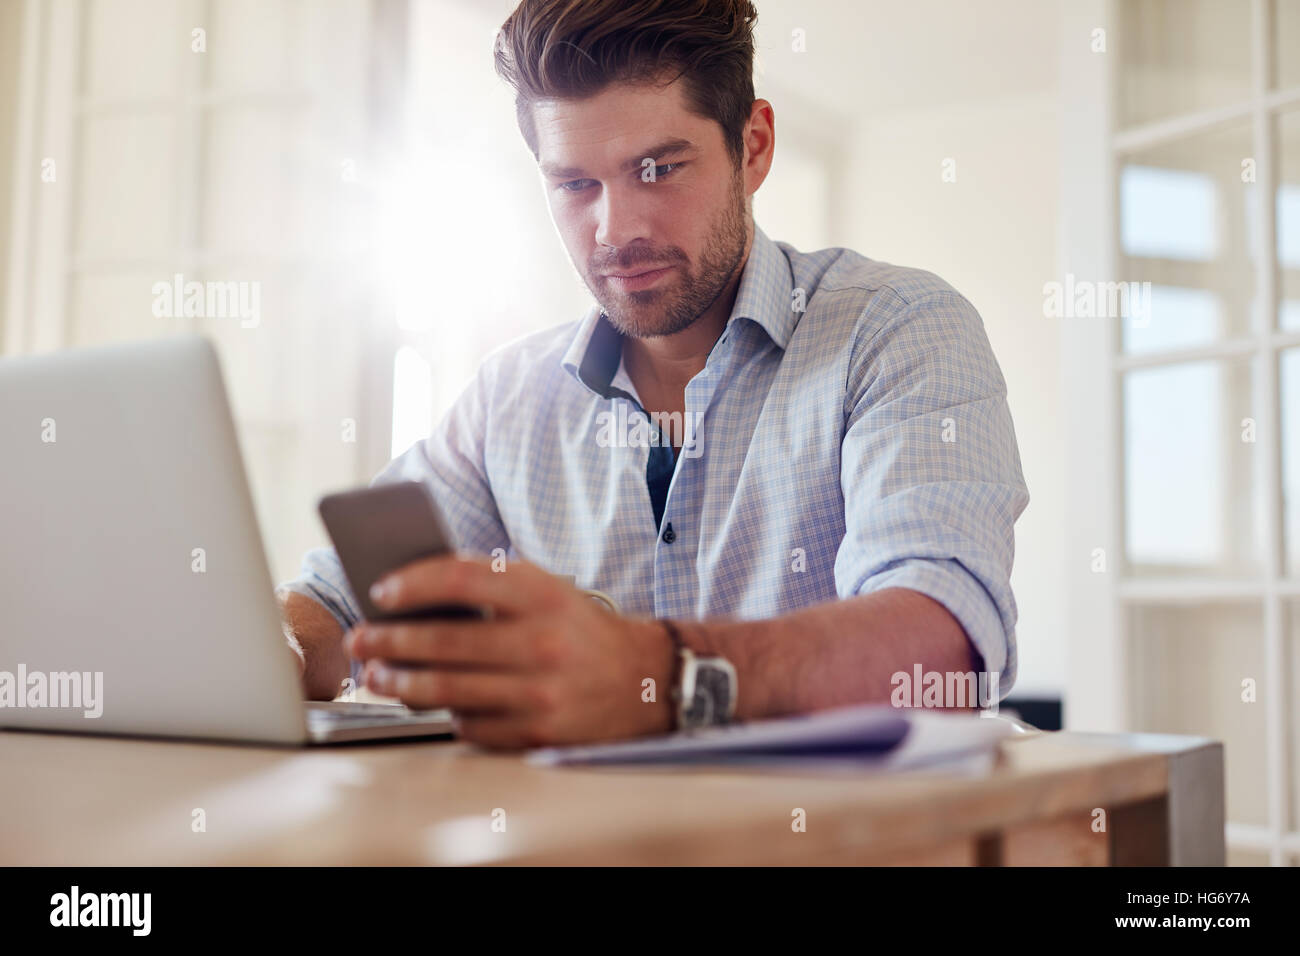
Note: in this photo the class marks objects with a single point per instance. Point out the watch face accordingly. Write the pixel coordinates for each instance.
(712, 698)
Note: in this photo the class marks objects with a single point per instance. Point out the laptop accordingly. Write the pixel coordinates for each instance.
(135, 595)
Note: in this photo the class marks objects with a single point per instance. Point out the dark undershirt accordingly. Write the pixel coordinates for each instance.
(598, 368)
(658, 476)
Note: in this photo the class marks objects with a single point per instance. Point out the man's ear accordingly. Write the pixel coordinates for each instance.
(760, 144)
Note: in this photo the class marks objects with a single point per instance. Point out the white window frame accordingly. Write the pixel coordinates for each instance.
(1093, 369)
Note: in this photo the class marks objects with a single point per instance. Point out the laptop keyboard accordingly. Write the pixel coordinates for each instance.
(340, 712)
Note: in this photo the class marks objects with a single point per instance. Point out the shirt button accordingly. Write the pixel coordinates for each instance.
(669, 534)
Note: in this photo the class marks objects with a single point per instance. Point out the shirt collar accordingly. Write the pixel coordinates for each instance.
(764, 297)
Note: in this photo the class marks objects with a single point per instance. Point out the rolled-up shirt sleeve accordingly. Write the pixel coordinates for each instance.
(930, 469)
(451, 463)
(321, 578)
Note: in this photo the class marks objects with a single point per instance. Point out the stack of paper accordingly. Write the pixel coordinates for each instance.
(874, 735)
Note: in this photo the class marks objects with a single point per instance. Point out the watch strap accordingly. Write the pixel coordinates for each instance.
(679, 664)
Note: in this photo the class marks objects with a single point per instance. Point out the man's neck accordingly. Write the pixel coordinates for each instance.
(661, 367)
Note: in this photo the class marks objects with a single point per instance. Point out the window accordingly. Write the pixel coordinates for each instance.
(1182, 181)
(194, 142)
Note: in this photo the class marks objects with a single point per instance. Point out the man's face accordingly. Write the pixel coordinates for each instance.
(647, 200)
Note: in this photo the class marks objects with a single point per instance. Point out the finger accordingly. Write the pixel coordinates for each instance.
(495, 643)
(425, 688)
(467, 579)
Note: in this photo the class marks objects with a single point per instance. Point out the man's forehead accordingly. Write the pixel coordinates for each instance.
(617, 125)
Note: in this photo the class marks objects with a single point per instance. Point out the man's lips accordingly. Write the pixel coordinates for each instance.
(636, 281)
(633, 275)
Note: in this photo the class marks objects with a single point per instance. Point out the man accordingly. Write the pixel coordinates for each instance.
(837, 504)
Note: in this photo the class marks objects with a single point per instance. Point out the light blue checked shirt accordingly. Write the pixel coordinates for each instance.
(854, 435)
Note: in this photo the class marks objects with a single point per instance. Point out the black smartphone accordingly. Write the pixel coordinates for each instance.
(378, 529)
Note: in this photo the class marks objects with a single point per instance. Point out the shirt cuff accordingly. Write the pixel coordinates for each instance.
(324, 595)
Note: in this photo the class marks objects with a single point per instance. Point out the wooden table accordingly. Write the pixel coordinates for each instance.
(72, 800)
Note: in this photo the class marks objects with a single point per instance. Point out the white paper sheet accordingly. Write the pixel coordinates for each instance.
(875, 736)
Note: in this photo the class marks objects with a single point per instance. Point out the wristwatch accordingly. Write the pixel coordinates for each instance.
(704, 692)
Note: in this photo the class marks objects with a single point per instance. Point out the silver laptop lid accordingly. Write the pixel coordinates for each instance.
(130, 555)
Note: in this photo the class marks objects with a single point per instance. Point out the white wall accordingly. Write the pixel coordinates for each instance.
(993, 235)
(11, 29)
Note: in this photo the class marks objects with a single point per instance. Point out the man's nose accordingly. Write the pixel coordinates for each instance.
(621, 215)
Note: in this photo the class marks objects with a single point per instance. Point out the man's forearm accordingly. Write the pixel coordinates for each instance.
(837, 653)
(320, 638)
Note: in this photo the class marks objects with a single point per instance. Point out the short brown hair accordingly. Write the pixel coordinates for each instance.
(572, 49)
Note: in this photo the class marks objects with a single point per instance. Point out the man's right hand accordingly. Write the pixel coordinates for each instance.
(323, 663)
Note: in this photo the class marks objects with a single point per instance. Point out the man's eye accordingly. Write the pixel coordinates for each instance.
(665, 169)
(575, 185)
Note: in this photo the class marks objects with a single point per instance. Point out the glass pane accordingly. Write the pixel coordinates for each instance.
(1170, 317)
(1179, 56)
(1189, 470)
(128, 180)
(1189, 669)
(1286, 42)
(135, 48)
(248, 45)
(1288, 221)
(1186, 242)
(1289, 384)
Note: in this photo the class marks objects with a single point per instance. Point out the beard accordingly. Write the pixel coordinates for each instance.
(650, 313)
